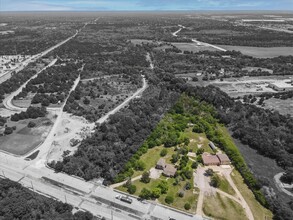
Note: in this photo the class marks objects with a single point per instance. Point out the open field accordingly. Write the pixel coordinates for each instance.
(284, 107)
(258, 211)
(261, 52)
(193, 47)
(244, 85)
(225, 186)
(25, 139)
(220, 207)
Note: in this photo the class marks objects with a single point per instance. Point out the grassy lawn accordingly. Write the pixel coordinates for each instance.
(24, 139)
(220, 207)
(152, 156)
(197, 139)
(258, 211)
(189, 195)
(225, 186)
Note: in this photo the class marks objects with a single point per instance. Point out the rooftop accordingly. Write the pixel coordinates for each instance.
(210, 159)
(161, 162)
(223, 157)
(170, 170)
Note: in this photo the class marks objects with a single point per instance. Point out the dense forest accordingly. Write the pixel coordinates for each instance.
(19, 203)
(52, 85)
(16, 81)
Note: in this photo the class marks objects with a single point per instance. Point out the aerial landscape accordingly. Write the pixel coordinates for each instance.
(146, 110)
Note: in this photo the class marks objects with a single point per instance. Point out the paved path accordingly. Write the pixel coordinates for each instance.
(175, 34)
(200, 43)
(244, 204)
(280, 185)
(122, 183)
(124, 103)
(8, 100)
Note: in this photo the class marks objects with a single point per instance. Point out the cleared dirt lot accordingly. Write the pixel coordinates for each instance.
(261, 52)
(70, 127)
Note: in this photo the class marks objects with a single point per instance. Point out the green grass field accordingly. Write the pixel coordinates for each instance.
(24, 139)
(190, 196)
(220, 207)
(258, 211)
(225, 186)
(192, 47)
(261, 52)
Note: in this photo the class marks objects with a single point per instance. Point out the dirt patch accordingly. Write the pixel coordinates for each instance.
(71, 128)
(155, 173)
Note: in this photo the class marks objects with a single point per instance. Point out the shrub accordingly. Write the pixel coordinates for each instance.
(131, 189)
(181, 194)
(145, 194)
(187, 206)
(164, 152)
(145, 178)
(8, 130)
(139, 165)
(163, 185)
(188, 186)
(156, 192)
(169, 199)
(194, 165)
(31, 124)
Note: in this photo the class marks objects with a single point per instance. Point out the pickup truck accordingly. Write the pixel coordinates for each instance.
(124, 199)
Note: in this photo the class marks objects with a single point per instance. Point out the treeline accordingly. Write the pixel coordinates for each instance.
(270, 133)
(19, 203)
(218, 65)
(113, 143)
(227, 33)
(16, 81)
(31, 112)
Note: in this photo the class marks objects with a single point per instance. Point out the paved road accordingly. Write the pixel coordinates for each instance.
(175, 34)
(280, 185)
(89, 196)
(208, 45)
(124, 103)
(8, 100)
(200, 43)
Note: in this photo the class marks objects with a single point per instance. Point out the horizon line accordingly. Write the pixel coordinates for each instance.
(159, 10)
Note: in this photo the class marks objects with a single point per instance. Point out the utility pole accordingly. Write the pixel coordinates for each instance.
(3, 174)
(65, 198)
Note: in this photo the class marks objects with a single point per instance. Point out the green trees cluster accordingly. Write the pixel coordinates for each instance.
(31, 112)
(117, 144)
(17, 202)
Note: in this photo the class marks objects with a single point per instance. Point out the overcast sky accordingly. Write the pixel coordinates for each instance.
(122, 5)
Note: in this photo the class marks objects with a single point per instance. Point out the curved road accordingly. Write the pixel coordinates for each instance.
(123, 104)
(8, 100)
